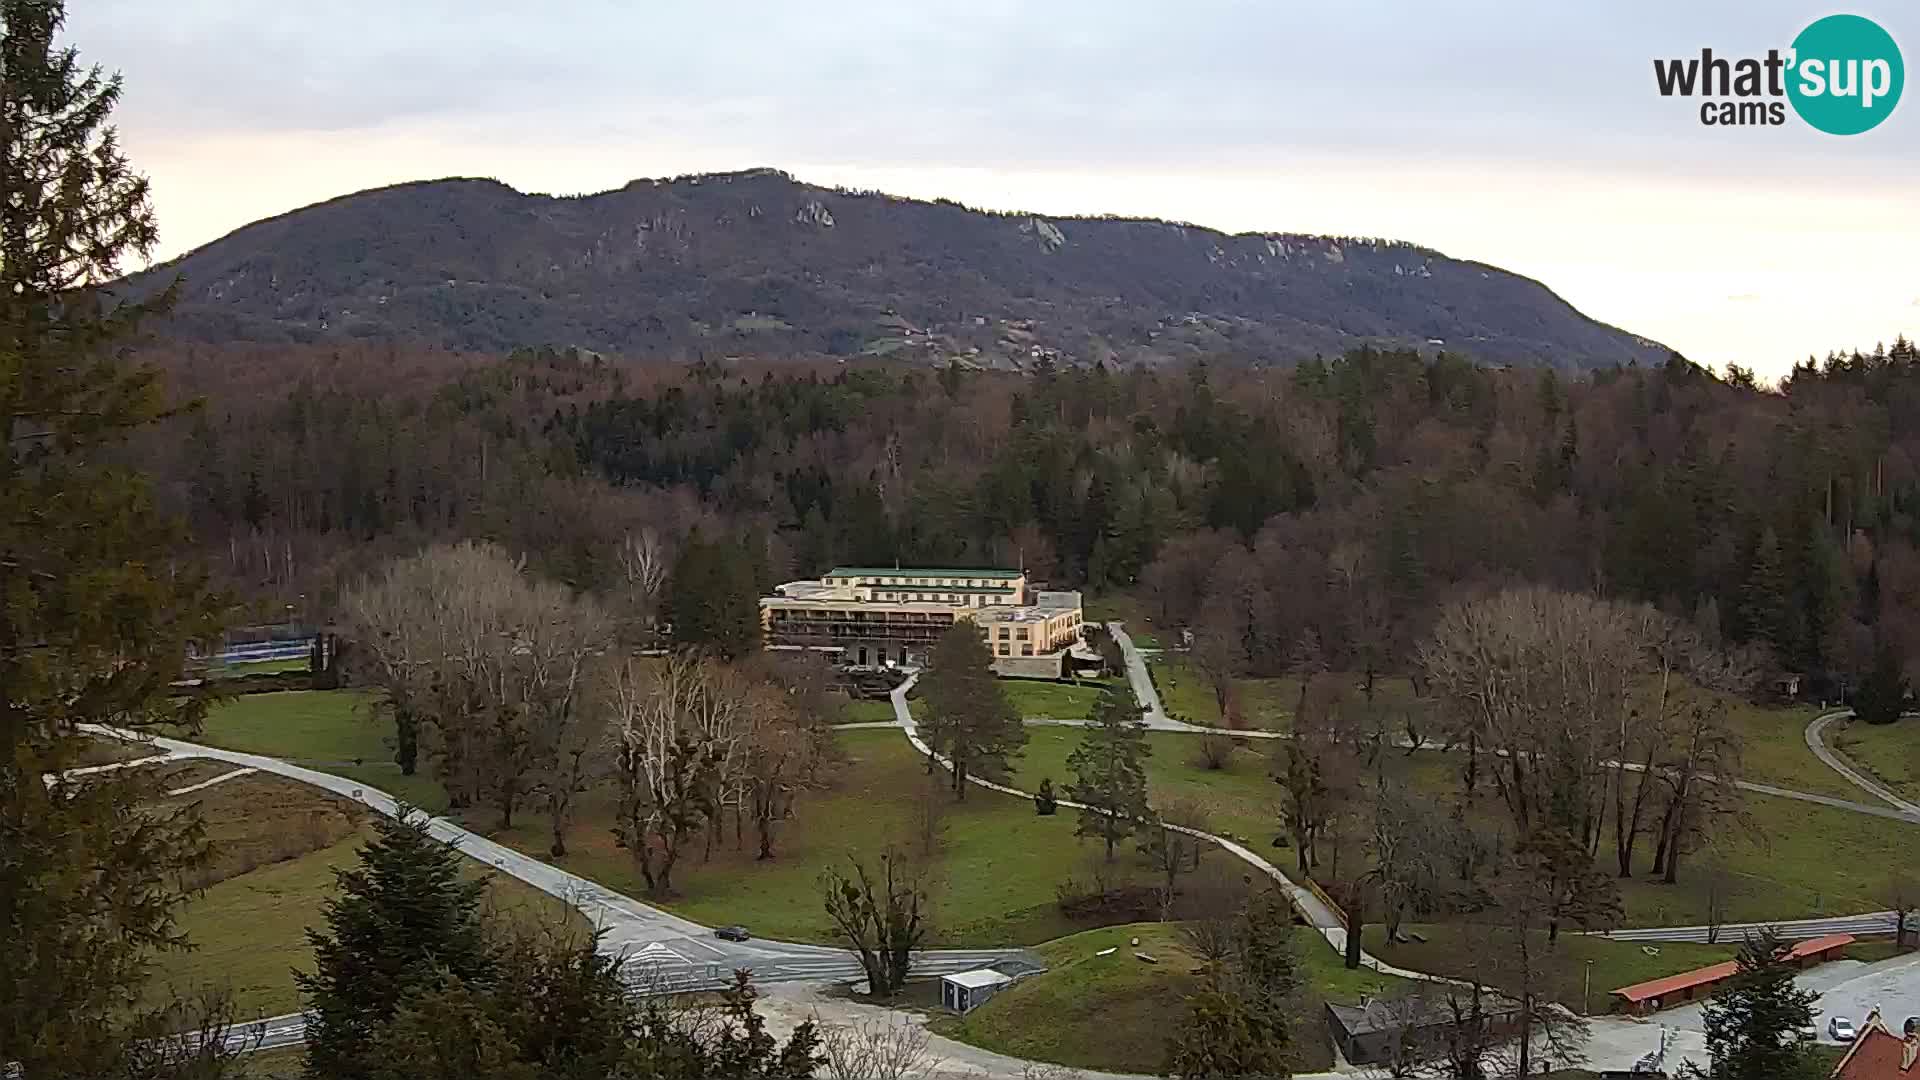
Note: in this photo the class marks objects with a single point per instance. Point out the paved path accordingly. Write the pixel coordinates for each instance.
(1873, 922)
(205, 784)
(1311, 908)
(1816, 742)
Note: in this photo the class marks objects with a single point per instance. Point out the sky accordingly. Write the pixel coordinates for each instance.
(1528, 135)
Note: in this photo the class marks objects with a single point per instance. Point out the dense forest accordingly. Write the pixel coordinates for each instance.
(1330, 507)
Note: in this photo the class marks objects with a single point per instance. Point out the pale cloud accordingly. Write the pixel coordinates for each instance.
(1524, 135)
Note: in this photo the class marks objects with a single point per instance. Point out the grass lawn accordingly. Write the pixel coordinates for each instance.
(868, 711)
(1890, 753)
(1123, 608)
(1036, 699)
(286, 1063)
(1115, 1012)
(1453, 948)
(991, 879)
(1776, 750)
(249, 932)
(1806, 861)
(259, 667)
(331, 730)
(1239, 799)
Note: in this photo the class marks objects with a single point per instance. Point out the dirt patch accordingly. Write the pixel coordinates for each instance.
(260, 819)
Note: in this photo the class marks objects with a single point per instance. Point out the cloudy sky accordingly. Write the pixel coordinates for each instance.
(1524, 134)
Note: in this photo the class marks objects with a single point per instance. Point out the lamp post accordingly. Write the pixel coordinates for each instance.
(1586, 998)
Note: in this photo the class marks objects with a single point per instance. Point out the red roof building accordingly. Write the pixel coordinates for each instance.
(1879, 1054)
(1656, 994)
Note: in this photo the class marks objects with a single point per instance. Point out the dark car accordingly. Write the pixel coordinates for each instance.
(732, 933)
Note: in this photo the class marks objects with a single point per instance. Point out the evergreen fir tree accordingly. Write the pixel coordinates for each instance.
(1761, 614)
(1109, 770)
(96, 609)
(406, 919)
(1753, 1023)
(713, 599)
(1882, 696)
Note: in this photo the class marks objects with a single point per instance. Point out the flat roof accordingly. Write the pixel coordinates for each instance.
(978, 977)
(1714, 973)
(897, 571)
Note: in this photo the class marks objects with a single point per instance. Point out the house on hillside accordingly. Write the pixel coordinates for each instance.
(1879, 1054)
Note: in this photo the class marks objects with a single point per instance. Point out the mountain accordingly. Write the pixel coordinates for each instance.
(758, 263)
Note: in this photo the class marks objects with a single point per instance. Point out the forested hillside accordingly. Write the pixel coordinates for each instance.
(758, 264)
(1329, 507)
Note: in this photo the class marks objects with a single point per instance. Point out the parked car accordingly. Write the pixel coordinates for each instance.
(1841, 1029)
(1808, 1033)
(732, 933)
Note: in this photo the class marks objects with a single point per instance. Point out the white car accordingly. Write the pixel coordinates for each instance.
(1841, 1029)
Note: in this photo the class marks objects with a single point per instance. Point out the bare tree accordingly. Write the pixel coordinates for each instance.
(644, 559)
(1172, 847)
(881, 922)
(892, 1048)
(1901, 894)
(663, 767)
(1701, 773)
(1717, 881)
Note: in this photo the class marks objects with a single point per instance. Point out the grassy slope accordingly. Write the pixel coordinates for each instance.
(1776, 750)
(249, 932)
(1453, 947)
(1115, 1012)
(869, 711)
(332, 730)
(1808, 860)
(1111, 606)
(991, 882)
(1889, 752)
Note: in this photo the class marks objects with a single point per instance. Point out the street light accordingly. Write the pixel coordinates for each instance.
(1586, 998)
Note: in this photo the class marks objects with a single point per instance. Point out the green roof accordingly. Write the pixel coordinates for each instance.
(891, 571)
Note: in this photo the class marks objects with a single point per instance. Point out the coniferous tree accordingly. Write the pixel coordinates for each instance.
(713, 599)
(1762, 608)
(95, 614)
(968, 717)
(407, 919)
(1883, 693)
(1753, 1023)
(1109, 770)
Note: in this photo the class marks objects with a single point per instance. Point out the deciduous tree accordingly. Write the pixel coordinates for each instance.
(968, 718)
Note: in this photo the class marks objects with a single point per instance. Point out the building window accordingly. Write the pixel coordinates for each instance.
(1026, 650)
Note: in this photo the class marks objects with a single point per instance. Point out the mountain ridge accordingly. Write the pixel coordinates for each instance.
(756, 262)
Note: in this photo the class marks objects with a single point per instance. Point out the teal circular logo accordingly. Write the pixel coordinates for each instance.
(1846, 75)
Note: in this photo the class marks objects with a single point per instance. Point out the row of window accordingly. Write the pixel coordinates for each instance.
(949, 582)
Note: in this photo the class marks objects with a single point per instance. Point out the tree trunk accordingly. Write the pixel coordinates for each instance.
(1356, 925)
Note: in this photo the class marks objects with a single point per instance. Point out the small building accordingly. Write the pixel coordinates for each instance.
(967, 990)
(1879, 1054)
(1380, 1030)
(1653, 995)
